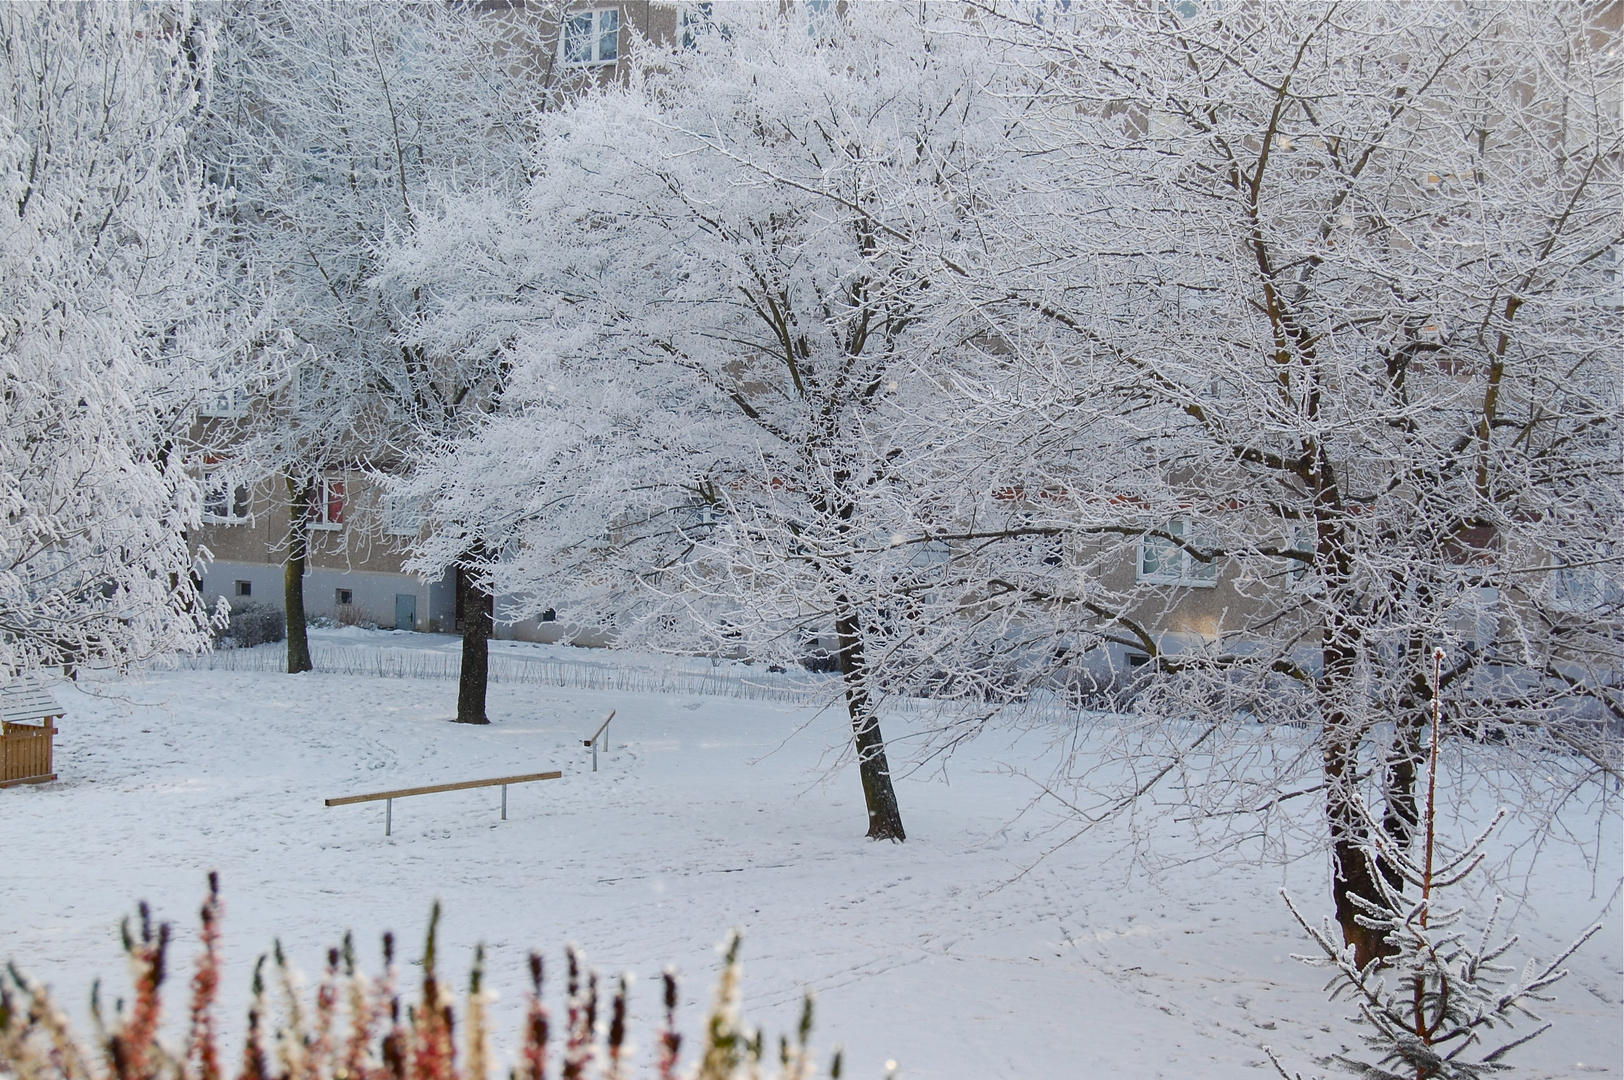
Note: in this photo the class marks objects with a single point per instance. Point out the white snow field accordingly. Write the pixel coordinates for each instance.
(960, 954)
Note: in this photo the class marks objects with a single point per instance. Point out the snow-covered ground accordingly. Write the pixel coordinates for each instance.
(960, 954)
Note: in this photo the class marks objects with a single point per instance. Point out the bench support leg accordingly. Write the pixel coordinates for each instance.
(504, 802)
(388, 816)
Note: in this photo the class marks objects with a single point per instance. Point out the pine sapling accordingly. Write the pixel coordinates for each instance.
(1430, 1005)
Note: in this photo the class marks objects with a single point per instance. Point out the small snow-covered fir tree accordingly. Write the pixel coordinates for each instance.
(1440, 1003)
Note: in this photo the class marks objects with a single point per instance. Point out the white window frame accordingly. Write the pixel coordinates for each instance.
(402, 516)
(1300, 538)
(1162, 562)
(1163, 126)
(596, 32)
(321, 504)
(230, 403)
(218, 490)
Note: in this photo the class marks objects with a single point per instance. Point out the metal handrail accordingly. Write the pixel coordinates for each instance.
(596, 735)
(389, 797)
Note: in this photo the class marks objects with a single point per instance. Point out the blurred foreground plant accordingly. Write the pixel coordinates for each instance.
(356, 1028)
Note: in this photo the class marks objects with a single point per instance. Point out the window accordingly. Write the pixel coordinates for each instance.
(228, 404)
(402, 516)
(1302, 539)
(224, 502)
(698, 20)
(1591, 587)
(591, 37)
(1199, 299)
(327, 505)
(1165, 562)
(697, 522)
(243, 588)
(343, 597)
(308, 383)
(1165, 125)
(822, 19)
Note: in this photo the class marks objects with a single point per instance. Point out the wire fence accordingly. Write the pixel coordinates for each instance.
(791, 688)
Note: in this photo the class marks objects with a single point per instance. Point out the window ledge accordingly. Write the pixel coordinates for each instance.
(1188, 583)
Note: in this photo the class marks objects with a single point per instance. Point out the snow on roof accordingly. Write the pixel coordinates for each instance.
(26, 698)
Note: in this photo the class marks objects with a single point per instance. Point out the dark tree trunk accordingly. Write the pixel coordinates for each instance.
(478, 621)
(1354, 875)
(1401, 818)
(1353, 869)
(884, 817)
(1352, 872)
(300, 492)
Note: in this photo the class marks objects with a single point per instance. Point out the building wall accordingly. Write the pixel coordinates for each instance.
(361, 558)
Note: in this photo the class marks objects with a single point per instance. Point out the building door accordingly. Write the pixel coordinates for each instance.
(405, 611)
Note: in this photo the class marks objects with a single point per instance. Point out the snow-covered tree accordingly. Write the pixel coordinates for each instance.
(112, 326)
(1321, 312)
(339, 129)
(727, 346)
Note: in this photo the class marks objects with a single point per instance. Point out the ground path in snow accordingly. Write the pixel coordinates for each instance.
(707, 813)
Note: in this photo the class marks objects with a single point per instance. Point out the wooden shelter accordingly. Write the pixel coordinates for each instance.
(28, 715)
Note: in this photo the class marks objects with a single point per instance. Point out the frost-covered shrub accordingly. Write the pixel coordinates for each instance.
(252, 624)
(359, 1027)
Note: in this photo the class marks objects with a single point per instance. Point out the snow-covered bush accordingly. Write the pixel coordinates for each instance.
(358, 1027)
(252, 624)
